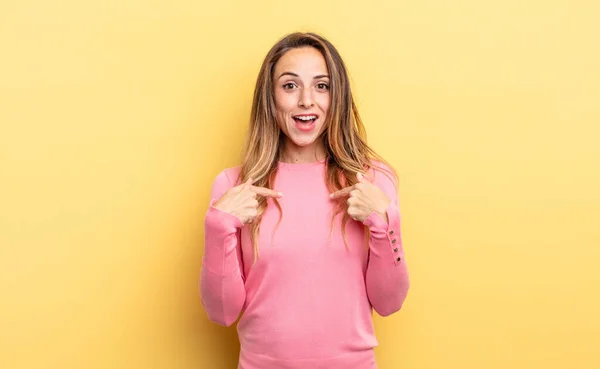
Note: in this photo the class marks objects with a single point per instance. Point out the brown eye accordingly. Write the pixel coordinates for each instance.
(323, 86)
(289, 86)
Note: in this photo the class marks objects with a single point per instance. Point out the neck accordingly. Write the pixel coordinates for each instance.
(302, 154)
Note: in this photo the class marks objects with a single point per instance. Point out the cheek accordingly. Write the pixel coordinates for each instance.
(284, 102)
(325, 102)
(280, 109)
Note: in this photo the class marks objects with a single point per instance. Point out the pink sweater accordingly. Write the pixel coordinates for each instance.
(307, 302)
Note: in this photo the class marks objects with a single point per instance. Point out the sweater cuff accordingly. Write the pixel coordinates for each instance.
(386, 235)
(221, 221)
(220, 241)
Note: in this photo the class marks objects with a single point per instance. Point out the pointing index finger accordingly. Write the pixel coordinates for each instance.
(342, 192)
(267, 192)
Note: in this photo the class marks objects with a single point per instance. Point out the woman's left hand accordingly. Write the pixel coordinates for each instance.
(364, 198)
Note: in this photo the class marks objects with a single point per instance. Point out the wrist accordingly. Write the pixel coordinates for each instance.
(231, 216)
(383, 215)
(382, 212)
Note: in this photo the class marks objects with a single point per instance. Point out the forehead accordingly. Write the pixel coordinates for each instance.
(304, 60)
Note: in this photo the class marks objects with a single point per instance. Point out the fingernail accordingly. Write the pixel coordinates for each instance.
(280, 194)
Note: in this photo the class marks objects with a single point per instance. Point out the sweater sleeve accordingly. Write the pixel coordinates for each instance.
(222, 278)
(387, 279)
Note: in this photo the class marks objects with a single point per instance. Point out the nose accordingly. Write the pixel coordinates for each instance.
(306, 100)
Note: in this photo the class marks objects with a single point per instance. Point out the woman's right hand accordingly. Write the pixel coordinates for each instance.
(241, 200)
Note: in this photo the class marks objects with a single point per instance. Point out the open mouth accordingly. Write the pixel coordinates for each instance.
(305, 119)
(305, 122)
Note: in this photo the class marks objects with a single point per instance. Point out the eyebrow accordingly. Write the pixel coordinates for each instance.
(295, 75)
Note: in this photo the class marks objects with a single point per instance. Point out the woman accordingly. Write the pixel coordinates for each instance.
(303, 239)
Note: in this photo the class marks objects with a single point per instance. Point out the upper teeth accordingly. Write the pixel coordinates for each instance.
(307, 117)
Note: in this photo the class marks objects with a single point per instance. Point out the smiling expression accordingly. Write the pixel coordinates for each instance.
(302, 95)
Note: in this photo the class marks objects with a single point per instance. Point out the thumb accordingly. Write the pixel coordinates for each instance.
(248, 183)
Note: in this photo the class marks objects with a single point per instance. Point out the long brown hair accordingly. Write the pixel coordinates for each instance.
(344, 137)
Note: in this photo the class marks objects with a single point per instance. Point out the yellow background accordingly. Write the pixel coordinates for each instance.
(117, 115)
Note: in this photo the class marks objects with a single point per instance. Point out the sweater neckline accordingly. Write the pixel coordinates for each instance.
(313, 164)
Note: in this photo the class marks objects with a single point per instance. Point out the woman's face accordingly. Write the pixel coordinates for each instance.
(302, 95)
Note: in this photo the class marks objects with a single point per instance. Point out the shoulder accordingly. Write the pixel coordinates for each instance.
(384, 176)
(232, 174)
(381, 172)
(224, 180)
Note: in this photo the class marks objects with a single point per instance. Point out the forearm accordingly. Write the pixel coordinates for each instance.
(387, 279)
(222, 284)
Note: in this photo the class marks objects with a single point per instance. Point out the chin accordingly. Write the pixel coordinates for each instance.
(304, 142)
